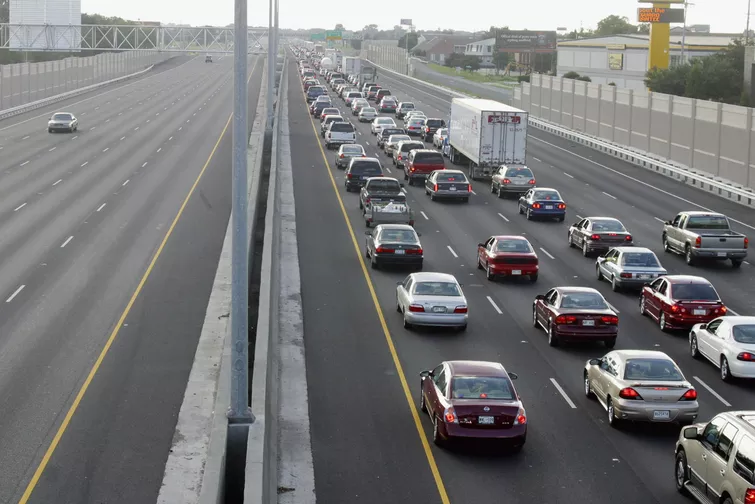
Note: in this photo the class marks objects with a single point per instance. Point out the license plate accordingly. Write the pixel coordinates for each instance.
(400, 252)
(519, 182)
(452, 188)
(516, 272)
(486, 420)
(439, 309)
(549, 207)
(588, 322)
(661, 415)
(365, 177)
(643, 277)
(722, 254)
(699, 312)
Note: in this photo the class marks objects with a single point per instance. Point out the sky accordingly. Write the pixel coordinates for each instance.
(724, 16)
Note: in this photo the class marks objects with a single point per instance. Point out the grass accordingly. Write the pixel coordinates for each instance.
(502, 80)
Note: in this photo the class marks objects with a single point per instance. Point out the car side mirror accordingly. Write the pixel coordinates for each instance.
(368, 233)
(594, 362)
(668, 223)
(690, 433)
(540, 297)
(419, 234)
(513, 376)
(399, 283)
(480, 244)
(704, 326)
(425, 374)
(401, 184)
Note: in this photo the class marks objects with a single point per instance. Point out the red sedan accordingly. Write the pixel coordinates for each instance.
(507, 256)
(681, 301)
(473, 399)
(575, 313)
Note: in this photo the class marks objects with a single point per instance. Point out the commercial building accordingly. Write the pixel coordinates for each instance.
(623, 59)
(436, 49)
(482, 49)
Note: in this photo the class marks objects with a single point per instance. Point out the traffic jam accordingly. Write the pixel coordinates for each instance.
(484, 140)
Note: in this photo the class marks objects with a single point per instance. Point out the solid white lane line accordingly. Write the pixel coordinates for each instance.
(27, 136)
(24, 163)
(547, 253)
(58, 182)
(123, 138)
(101, 207)
(19, 207)
(145, 164)
(579, 217)
(452, 251)
(98, 108)
(715, 394)
(503, 217)
(494, 305)
(660, 220)
(474, 193)
(84, 164)
(424, 215)
(126, 182)
(158, 150)
(106, 149)
(609, 195)
(536, 159)
(51, 149)
(15, 294)
(563, 394)
(67, 242)
(388, 170)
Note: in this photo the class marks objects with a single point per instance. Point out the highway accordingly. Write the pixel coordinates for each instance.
(97, 338)
(370, 444)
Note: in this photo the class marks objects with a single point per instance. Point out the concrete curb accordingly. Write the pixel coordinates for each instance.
(702, 180)
(195, 469)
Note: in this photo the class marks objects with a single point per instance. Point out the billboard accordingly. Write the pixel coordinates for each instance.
(660, 15)
(526, 41)
(616, 61)
(333, 35)
(45, 25)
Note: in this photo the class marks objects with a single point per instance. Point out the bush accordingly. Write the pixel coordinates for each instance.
(523, 78)
(584, 78)
(612, 84)
(571, 75)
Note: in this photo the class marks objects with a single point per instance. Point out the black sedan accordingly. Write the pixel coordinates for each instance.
(396, 244)
(598, 234)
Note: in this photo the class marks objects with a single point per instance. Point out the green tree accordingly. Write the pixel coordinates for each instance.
(578, 34)
(339, 27)
(500, 60)
(668, 81)
(412, 37)
(615, 25)
(571, 75)
(4, 11)
(643, 28)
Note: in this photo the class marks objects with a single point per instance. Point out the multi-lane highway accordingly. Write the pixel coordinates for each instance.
(370, 443)
(109, 241)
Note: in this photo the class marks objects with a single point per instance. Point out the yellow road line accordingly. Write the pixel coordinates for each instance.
(388, 338)
(90, 377)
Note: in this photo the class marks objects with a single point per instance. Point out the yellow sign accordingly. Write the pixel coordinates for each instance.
(616, 47)
(616, 61)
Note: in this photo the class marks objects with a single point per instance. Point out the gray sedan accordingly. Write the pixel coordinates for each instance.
(393, 141)
(346, 152)
(367, 114)
(628, 267)
(432, 299)
(452, 184)
(62, 121)
(393, 244)
(641, 386)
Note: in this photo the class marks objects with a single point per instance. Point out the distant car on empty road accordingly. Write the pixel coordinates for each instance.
(62, 121)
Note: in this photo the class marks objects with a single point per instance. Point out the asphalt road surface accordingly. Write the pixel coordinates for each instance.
(366, 444)
(424, 72)
(81, 217)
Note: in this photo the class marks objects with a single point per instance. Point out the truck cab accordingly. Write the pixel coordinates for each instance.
(704, 235)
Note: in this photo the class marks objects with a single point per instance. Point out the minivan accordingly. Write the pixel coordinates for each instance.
(421, 163)
(313, 92)
(359, 170)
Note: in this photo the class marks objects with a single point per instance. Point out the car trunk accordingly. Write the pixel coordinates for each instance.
(400, 249)
(519, 181)
(471, 413)
(461, 185)
(587, 319)
(660, 391)
(514, 259)
(612, 239)
(723, 240)
(439, 304)
(642, 272)
(700, 308)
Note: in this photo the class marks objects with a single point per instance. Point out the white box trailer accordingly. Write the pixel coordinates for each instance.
(351, 65)
(485, 134)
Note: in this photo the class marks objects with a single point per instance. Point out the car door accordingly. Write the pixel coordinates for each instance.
(576, 231)
(608, 373)
(403, 292)
(674, 234)
(440, 384)
(716, 468)
(371, 239)
(498, 175)
(430, 181)
(700, 451)
(653, 302)
(582, 228)
(525, 200)
(483, 252)
(706, 343)
(545, 308)
(429, 389)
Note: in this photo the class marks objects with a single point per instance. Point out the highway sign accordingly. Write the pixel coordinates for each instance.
(317, 36)
(334, 35)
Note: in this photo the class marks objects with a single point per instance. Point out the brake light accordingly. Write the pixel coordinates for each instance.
(566, 319)
(412, 168)
(595, 237)
(677, 309)
(690, 395)
(435, 188)
(469, 188)
(721, 310)
(747, 242)
(746, 356)
(460, 309)
(417, 251)
(427, 130)
(341, 156)
(532, 181)
(630, 393)
(536, 205)
(698, 242)
(561, 206)
(626, 275)
(367, 200)
(750, 496)
(450, 415)
(416, 308)
(628, 238)
(506, 181)
(610, 319)
(384, 250)
(521, 417)
(399, 157)
(348, 175)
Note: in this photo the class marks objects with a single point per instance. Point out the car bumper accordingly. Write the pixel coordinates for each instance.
(642, 412)
(517, 434)
(677, 322)
(58, 127)
(548, 213)
(398, 260)
(514, 270)
(514, 189)
(450, 194)
(388, 150)
(634, 282)
(437, 319)
(722, 255)
(366, 119)
(740, 369)
(355, 183)
(413, 133)
(336, 141)
(567, 332)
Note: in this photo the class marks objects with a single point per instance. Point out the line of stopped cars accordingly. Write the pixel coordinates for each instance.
(477, 399)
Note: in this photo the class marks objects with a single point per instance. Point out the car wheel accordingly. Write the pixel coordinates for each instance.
(500, 193)
(598, 274)
(725, 370)
(662, 322)
(736, 263)
(561, 219)
(521, 211)
(612, 420)
(585, 250)
(489, 274)
(361, 206)
(610, 343)
(422, 405)
(535, 323)
(529, 214)
(681, 472)
(570, 239)
(688, 257)
(666, 247)
(398, 306)
(427, 191)
(465, 200)
(407, 325)
(693, 351)
(588, 387)
(479, 263)
(49, 130)
(419, 266)
(643, 310)
(552, 336)
(432, 196)
(462, 328)
(614, 284)
(437, 439)
(492, 188)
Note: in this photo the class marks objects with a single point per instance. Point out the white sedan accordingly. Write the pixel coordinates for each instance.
(382, 122)
(367, 114)
(729, 343)
(439, 136)
(433, 300)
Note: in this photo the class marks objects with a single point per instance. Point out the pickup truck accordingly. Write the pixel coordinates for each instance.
(389, 211)
(379, 189)
(704, 235)
(339, 133)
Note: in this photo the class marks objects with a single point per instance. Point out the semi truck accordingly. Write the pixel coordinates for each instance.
(318, 49)
(351, 65)
(485, 134)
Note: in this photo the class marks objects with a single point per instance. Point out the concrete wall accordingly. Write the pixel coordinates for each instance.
(387, 53)
(706, 136)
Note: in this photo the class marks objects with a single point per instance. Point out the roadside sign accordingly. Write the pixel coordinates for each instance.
(334, 35)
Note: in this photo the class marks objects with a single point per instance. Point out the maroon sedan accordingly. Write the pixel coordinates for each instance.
(473, 399)
(507, 256)
(681, 301)
(575, 313)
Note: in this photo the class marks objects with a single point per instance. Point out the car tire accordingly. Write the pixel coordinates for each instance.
(681, 472)
(598, 274)
(465, 200)
(666, 246)
(529, 214)
(490, 276)
(533, 278)
(585, 249)
(614, 284)
(552, 336)
(588, 387)
(693, 350)
(427, 191)
(462, 328)
(612, 420)
(398, 306)
(688, 257)
(422, 405)
(561, 219)
(662, 322)
(373, 263)
(361, 206)
(535, 323)
(501, 194)
(407, 325)
(492, 188)
(570, 239)
(437, 439)
(736, 263)
(432, 196)
(521, 211)
(610, 343)
(479, 264)
(725, 370)
(420, 265)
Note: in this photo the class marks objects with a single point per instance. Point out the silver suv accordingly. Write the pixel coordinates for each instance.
(715, 462)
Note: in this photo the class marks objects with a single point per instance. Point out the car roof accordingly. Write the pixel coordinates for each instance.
(633, 249)
(603, 218)
(509, 237)
(745, 418)
(351, 145)
(426, 150)
(740, 319)
(428, 276)
(574, 288)
(401, 227)
(701, 212)
(452, 172)
(476, 368)
(544, 189)
(384, 178)
(680, 279)
(62, 112)
(641, 354)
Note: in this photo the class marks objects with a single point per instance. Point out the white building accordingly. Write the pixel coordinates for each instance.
(483, 49)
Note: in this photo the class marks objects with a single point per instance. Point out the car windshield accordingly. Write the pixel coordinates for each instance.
(707, 222)
(451, 177)
(437, 289)
(652, 369)
(368, 110)
(62, 117)
(693, 292)
(398, 138)
(546, 195)
(342, 127)
(482, 387)
(744, 333)
(435, 122)
(519, 172)
(521, 246)
(608, 225)
(584, 301)
(398, 235)
(354, 150)
(640, 259)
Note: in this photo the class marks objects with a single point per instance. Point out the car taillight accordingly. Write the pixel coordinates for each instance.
(595, 237)
(610, 319)
(427, 130)
(698, 242)
(750, 496)
(506, 181)
(450, 415)
(690, 395)
(626, 275)
(417, 251)
(566, 319)
(561, 206)
(412, 168)
(747, 242)
(341, 156)
(628, 238)
(630, 393)
(367, 200)
(435, 188)
(677, 309)
(399, 157)
(384, 250)
(746, 356)
(532, 181)
(460, 309)
(521, 417)
(721, 310)
(416, 308)
(348, 175)
(536, 205)
(469, 188)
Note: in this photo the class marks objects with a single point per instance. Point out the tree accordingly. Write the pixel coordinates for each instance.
(4, 11)
(669, 81)
(615, 25)
(500, 60)
(643, 28)
(582, 33)
(412, 37)
(339, 27)
(571, 75)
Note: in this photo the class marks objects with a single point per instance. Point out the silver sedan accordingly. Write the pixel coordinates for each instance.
(367, 114)
(628, 267)
(393, 141)
(382, 122)
(346, 152)
(641, 386)
(432, 299)
(62, 121)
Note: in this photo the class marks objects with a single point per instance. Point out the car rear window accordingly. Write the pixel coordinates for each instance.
(547, 195)
(640, 259)
(407, 106)
(384, 92)
(366, 168)
(398, 138)
(416, 121)
(331, 118)
(352, 149)
(330, 111)
(340, 127)
(744, 333)
(451, 177)
(482, 387)
(385, 185)
(707, 222)
(435, 158)
(411, 146)
(608, 225)
(398, 235)
(652, 369)
(434, 122)
(374, 89)
(519, 172)
(584, 300)
(315, 89)
(693, 292)
(521, 246)
(436, 289)
(354, 94)
(62, 117)
(391, 131)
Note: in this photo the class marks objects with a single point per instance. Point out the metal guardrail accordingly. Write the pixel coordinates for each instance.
(696, 178)
(4, 114)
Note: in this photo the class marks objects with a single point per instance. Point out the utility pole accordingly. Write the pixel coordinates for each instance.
(747, 27)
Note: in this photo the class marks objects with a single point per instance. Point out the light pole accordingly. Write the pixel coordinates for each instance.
(407, 22)
(684, 28)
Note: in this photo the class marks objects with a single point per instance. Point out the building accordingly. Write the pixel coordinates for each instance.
(482, 49)
(436, 49)
(623, 59)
